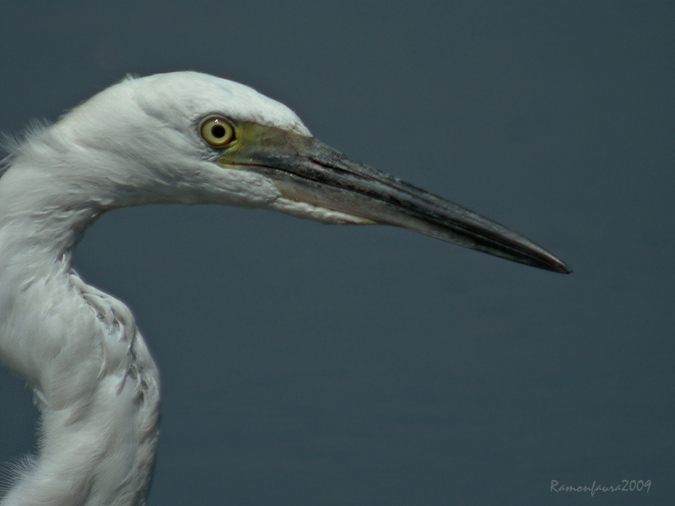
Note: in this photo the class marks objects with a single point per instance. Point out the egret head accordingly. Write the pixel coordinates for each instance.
(192, 138)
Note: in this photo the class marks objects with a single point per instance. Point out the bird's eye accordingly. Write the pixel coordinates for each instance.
(217, 131)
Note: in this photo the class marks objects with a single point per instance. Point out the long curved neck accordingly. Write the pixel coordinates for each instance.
(95, 382)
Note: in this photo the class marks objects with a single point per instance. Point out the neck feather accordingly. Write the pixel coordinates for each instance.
(95, 382)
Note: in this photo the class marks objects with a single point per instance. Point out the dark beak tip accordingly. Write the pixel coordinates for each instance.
(556, 265)
(563, 269)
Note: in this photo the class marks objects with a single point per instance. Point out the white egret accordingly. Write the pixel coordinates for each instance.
(184, 138)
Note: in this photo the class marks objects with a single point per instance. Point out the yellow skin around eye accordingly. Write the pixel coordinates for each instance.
(217, 131)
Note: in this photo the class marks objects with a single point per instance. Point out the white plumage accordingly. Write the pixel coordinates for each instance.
(154, 140)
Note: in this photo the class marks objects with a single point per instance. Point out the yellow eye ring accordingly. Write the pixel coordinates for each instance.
(217, 131)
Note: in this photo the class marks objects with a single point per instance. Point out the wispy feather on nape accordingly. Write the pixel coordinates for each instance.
(11, 145)
(12, 471)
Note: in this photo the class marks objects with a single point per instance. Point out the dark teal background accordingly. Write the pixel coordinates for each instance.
(306, 364)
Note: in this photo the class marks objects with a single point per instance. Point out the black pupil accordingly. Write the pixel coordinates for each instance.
(218, 131)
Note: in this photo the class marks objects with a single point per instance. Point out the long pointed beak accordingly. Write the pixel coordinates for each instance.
(310, 171)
